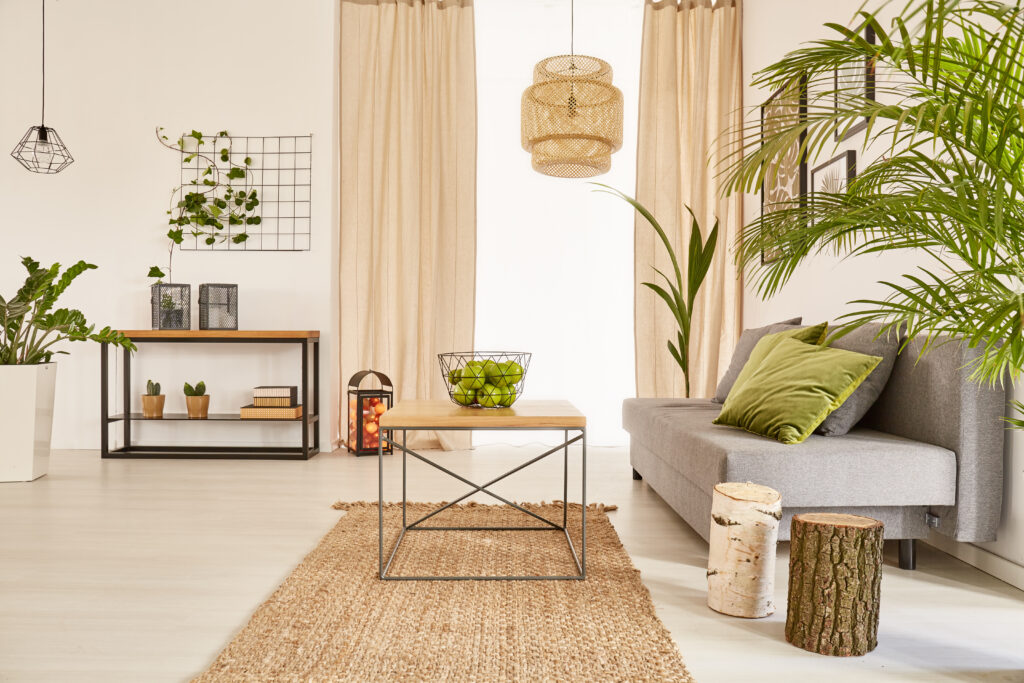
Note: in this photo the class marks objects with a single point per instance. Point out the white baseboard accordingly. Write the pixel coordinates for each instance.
(986, 561)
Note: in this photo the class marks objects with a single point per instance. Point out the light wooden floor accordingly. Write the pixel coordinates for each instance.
(126, 570)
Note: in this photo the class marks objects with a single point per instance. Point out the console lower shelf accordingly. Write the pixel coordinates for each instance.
(212, 417)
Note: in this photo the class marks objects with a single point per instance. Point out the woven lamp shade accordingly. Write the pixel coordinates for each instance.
(572, 117)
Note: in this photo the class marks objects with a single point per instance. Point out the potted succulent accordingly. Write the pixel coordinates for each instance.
(152, 401)
(197, 401)
(30, 326)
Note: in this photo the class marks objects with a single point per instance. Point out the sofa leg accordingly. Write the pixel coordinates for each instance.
(636, 476)
(908, 553)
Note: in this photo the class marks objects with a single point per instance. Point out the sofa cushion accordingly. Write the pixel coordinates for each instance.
(863, 468)
(694, 504)
(866, 340)
(809, 335)
(794, 389)
(748, 340)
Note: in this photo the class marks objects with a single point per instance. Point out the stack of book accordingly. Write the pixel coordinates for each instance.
(273, 403)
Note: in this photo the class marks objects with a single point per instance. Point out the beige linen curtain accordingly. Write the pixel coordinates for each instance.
(691, 90)
(408, 193)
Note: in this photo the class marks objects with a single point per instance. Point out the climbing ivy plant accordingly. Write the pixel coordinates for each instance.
(220, 196)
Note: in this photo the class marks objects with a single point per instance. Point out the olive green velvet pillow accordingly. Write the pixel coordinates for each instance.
(811, 335)
(794, 389)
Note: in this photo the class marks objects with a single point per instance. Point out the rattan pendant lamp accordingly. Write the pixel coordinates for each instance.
(41, 150)
(572, 114)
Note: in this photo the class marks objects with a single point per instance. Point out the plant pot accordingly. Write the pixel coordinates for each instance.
(26, 420)
(153, 406)
(198, 406)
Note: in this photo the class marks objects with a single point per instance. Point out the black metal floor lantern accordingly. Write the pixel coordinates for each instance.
(41, 150)
(365, 407)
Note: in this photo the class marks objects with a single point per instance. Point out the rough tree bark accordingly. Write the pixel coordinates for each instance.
(835, 574)
(741, 558)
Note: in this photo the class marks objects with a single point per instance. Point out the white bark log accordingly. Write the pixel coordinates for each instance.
(741, 559)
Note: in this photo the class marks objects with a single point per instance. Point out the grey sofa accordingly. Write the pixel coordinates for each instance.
(929, 453)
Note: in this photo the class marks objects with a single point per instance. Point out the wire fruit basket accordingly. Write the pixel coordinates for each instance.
(484, 379)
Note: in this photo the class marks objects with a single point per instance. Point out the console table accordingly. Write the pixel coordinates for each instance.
(307, 340)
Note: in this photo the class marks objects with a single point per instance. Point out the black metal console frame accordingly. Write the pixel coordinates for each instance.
(310, 419)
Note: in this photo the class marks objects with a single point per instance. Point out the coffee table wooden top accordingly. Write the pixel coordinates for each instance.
(414, 414)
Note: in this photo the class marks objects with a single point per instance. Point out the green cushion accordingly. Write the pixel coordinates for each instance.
(794, 389)
(811, 335)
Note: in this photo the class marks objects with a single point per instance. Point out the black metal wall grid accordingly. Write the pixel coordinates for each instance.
(281, 173)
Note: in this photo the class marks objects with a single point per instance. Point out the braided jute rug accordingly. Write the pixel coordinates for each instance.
(334, 620)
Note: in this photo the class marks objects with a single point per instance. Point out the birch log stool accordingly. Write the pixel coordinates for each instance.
(835, 573)
(741, 559)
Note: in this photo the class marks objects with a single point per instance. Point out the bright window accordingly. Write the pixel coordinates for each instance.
(554, 259)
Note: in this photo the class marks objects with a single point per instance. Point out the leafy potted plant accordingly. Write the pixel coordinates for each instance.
(152, 401)
(29, 329)
(197, 401)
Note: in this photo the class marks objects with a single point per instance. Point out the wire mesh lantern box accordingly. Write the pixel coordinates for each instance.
(171, 306)
(218, 307)
(365, 407)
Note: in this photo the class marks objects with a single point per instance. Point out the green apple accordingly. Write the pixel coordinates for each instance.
(491, 396)
(510, 397)
(463, 396)
(473, 376)
(513, 373)
(454, 376)
(496, 373)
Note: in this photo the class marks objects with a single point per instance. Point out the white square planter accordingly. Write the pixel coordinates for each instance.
(26, 420)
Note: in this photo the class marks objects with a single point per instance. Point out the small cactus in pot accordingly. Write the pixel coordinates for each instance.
(152, 401)
(197, 401)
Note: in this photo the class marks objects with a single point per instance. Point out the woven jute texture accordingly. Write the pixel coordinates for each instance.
(334, 620)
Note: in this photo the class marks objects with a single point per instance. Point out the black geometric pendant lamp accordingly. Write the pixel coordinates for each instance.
(41, 150)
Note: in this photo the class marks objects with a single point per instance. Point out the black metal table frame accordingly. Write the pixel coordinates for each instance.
(580, 559)
(310, 446)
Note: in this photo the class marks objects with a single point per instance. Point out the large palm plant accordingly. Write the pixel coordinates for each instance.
(949, 114)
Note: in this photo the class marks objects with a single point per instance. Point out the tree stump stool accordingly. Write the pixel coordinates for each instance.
(741, 558)
(835, 575)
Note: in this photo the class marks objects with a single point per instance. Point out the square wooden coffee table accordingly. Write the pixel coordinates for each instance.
(431, 415)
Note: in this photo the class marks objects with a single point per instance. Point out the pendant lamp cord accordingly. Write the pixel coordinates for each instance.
(42, 113)
(572, 27)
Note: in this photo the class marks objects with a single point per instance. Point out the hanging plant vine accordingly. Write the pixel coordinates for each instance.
(218, 197)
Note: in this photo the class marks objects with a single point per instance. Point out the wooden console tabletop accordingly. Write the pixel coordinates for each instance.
(221, 334)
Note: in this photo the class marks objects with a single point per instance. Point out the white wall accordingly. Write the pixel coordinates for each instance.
(116, 69)
(554, 259)
(821, 287)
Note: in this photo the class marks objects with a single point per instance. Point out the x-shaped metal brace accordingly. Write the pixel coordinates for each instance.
(419, 525)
